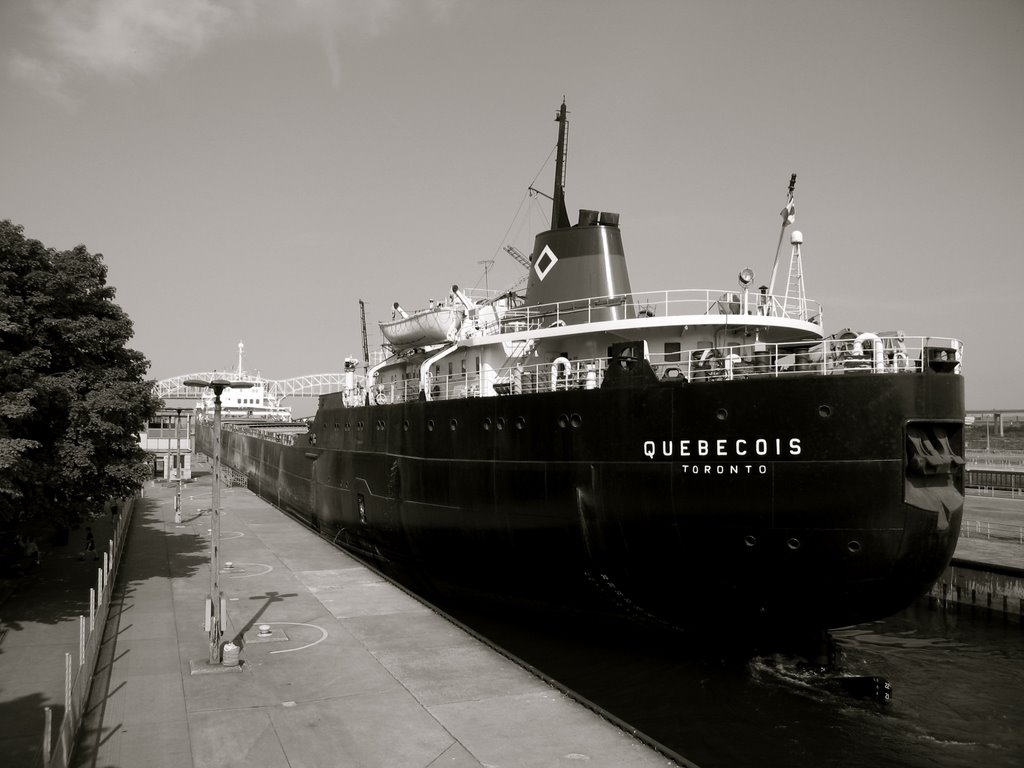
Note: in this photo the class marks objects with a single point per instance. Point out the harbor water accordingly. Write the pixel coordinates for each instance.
(957, 678)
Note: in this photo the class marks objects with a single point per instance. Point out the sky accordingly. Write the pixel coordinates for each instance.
(250, 170)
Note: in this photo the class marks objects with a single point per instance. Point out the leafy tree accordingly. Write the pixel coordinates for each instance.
(72, 394)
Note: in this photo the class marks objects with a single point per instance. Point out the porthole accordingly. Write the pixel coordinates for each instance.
(380, 425)
(563, 421)
(430, 425)
(405, 425)
(520, 422)
(486, 424)
(750, 541)
(501, 422)
(721, 414)
(854, 547)
(576, 421)
(824, 411)
(359, 425)
(453, 424)
(793, 544)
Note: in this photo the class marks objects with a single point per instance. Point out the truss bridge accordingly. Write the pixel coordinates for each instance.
(312, 385)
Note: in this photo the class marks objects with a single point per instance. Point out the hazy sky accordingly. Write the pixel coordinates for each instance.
(250, 169)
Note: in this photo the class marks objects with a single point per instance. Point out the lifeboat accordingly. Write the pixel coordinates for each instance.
(424, 328)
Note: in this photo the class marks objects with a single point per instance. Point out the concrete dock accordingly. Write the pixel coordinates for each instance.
(354, 672)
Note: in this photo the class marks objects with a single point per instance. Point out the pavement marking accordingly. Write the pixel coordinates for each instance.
(323, 634)
(229, 571)
(227, 535)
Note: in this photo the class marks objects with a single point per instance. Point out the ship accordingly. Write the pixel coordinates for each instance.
(255, 402)
(709, 461)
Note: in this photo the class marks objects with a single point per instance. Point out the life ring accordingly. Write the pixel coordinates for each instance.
(381, 398)
(560, 368)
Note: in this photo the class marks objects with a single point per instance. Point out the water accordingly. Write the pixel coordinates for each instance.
(958, 692)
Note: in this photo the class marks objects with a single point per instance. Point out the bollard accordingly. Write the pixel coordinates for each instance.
(230, 655)
(47, 734)
(264, 631)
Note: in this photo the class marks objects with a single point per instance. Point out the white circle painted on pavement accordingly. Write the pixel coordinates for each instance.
(323, 634)
(269, 568)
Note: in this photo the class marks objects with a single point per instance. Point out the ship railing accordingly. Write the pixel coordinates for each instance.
(875, 353)
(678, 303)
(264, 432)
(870, 353)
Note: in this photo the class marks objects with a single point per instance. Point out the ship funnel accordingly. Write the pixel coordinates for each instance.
(580, 268)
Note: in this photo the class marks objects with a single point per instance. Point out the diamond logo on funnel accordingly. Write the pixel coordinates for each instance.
(545, 262)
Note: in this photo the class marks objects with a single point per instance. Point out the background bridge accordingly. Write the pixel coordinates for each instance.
(312, 385)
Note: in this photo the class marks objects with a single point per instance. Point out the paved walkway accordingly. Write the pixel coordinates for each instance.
(39, 624)
(354, 673)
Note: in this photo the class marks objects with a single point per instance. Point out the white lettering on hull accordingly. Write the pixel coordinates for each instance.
(739, 448)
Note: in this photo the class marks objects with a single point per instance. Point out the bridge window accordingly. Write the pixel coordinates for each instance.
(672, 349)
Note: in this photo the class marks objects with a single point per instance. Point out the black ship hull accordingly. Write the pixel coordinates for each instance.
(759, 508)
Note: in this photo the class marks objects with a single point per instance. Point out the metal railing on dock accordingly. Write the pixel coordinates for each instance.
(78, 676)
(983, 529)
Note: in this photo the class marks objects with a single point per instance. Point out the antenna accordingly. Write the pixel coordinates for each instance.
(488, 263)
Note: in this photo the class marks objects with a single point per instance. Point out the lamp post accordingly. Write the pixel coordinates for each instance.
(218, 386)
(177, 465)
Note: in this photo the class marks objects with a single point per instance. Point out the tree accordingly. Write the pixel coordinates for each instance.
(72, 394)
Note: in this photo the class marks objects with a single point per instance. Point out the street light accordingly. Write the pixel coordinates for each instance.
(177, 464)
(218, 386)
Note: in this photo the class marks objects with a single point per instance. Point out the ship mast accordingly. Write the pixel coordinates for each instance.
(559, 216)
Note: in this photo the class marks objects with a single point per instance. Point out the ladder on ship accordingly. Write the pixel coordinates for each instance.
(518, 255)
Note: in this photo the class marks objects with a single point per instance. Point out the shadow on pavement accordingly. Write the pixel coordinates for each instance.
(40, 619)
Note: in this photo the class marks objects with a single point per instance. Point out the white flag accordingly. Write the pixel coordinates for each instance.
(789, 212)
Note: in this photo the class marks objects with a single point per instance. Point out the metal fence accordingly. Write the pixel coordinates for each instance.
(57, 746)
(983, 529)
